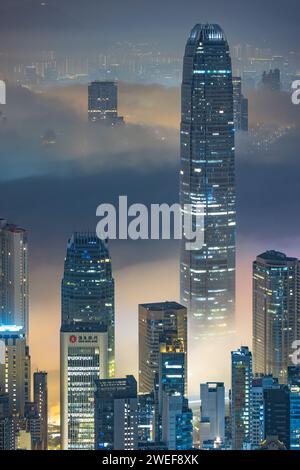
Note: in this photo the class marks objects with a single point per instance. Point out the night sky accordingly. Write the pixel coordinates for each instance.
(54, 191)
(81, 24)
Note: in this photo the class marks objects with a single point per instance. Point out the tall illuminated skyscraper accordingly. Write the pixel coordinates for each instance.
(88, 287)
(207, 177)
(15, 369)
(241, 398)
(13, 276)
(83, 360)
(276, 313)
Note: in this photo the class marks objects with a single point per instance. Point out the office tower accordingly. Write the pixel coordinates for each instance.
(7, 425)
(207, 178)
(40, 397)
(33, 425)
(177, 427)
(277, 414)
(259, 384)
(276, 313)
(13, 276)
(171, 378)
(146, 416)
(83, 360)
(88, 287)
(172, 374)
(116, 410)
(15, 369)
(295, 417)
(271, 80)
(103, 103)
(212, 395)
(241, 398)
(158, 322)
(240, 106)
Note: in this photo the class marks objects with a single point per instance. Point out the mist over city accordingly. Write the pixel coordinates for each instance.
(101, 101)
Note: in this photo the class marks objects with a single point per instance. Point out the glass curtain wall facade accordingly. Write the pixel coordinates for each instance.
(207, 177)
(88, 287)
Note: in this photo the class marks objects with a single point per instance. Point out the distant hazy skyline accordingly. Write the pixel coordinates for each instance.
(77, 26)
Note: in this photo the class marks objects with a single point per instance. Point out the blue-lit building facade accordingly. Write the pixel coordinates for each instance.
(87, 294)
(241, 398)
(172, 371)
(207, 177)
(294, 417)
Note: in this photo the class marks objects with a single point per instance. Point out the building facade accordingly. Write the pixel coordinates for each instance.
(116, 414)
(295, 417)
(103, 103)
(212, 395)
(241, 398)
(158, 323)
(40, 398)
(83, 360)
(177, 422)
(207, 178)
(15, 372)
(277, 414)
(259, 384)
(14, 295)
(88, 287)
(276, 313)
(240, 106)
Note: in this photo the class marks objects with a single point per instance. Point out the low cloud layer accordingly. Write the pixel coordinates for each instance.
(53, 190)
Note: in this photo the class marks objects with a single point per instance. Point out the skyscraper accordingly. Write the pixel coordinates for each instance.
(88, 287)
(15, 370)
(207, 177)
(176, 423)
(158, 324)
(241, 398)
(146, 416)
(240, 106)
(277, 413)
(259, 384)
(103, 103)
(172, 373)
(212, 396)
(40, 398)
(83, 360)
(276, 313)
(13, 276)
(116, 414)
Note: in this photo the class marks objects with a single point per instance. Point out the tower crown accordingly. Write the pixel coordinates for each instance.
(207, 33)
